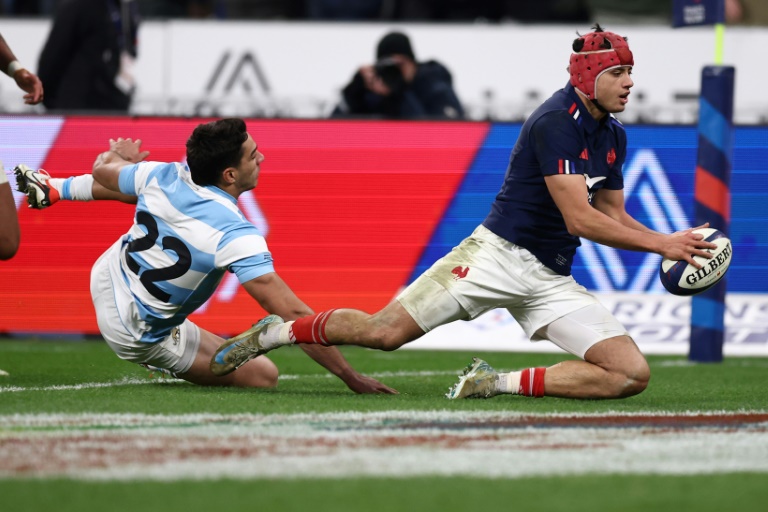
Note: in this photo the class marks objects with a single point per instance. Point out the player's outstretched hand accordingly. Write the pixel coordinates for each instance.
(128, 149)
(362, 384)
(685, 244)
(31, 84)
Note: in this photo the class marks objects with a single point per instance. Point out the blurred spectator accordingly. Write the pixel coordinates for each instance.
(265, 9)
(346, 9)
(645, 12)
(539, 11)
(26, 7)
(447, 10)
(548, 11)
(201, 9)
(746, 12)
(87, 61)
(399, 87)
(197, 9)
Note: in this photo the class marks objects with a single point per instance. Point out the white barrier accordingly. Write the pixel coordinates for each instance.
(270, 69)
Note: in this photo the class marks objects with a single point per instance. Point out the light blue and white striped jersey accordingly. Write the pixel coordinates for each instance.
(183, 239)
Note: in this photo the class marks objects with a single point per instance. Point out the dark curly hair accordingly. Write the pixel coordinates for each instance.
(213, 147)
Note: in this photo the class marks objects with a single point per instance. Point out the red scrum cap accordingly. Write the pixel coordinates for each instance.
(594, 54)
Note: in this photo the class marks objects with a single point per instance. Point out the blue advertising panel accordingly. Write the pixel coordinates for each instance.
(688, 13)
(659, 188)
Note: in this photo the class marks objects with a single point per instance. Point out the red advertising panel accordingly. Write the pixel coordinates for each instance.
(347, 208)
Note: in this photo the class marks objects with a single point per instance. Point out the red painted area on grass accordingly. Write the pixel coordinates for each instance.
(83, 445)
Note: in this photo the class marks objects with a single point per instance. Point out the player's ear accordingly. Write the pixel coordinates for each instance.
(229, 175)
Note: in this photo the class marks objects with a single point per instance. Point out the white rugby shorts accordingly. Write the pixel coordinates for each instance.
(486, 272)
(121, 325)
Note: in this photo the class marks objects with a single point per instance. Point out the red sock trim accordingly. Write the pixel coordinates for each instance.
(301, 330)
(532, 382)
(311, 329)
(538, 382)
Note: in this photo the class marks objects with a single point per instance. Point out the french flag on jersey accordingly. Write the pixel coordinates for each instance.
(574, 111)
(565, 167)
(568, 166)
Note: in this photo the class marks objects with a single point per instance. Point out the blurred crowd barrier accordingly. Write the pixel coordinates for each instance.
(501, 72)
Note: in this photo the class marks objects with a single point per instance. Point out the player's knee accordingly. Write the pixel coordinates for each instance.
(267, 380)
(268, 377)
(627, 369)
(633, 387)
(633, 378)
(259, 373)
(389, 340)
(391, 329)
(382, 334)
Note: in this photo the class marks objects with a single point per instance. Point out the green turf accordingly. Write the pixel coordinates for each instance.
(703, 493)
(35, 366)
(737, 383)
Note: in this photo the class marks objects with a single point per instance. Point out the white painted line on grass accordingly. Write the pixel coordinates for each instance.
(133, 381)
(388, 443)
(126, 381)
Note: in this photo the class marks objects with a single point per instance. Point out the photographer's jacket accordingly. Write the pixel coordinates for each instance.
(81, 60)
(429, 96)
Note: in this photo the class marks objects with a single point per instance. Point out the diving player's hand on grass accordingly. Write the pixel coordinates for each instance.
(362, 384)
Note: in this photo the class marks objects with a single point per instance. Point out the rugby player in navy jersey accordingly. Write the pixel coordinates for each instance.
(187, 232)
(564, 181)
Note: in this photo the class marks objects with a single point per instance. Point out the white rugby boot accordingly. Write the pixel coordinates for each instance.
(242, 348)
(479, 380)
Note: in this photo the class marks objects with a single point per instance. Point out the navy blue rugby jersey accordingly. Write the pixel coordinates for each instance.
(560, 137)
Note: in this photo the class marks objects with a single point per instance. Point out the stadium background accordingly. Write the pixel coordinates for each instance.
(354, 210)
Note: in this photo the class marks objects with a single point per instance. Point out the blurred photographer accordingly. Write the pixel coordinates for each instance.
(88, 59)
(396, 86)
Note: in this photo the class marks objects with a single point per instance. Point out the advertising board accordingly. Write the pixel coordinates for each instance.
(354, 211)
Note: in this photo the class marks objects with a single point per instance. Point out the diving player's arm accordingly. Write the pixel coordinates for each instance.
(276, 297)
(121, 152)
(582, 220)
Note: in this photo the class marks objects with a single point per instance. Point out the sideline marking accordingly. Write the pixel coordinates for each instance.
(139, 381)
(125, 381)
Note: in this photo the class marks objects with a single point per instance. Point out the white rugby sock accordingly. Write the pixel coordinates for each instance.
(57, 183)
(276, 336)
(285, 333)
(509, 383)
(76, 188)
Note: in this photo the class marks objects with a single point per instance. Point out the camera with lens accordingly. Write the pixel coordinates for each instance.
(388, 70)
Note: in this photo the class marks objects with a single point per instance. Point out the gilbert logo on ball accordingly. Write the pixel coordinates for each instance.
(681, 278)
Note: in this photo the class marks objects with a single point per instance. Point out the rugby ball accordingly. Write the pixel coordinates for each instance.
(682, 278)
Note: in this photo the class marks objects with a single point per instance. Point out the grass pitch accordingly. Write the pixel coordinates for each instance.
(72, 379)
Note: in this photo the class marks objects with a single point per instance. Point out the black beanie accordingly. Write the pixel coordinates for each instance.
(394, 43)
